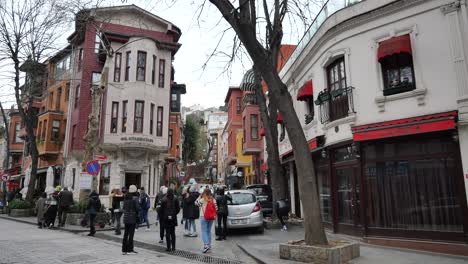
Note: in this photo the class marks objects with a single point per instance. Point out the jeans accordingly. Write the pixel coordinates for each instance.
(92, 224)
(117, 216)
(170, 237)
(222, 219)
(62, 214)
(144, 217)
(206, 231)
(191, 225)
(127, 242)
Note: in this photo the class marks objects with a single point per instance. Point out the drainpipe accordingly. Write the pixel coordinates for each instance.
(71, 99)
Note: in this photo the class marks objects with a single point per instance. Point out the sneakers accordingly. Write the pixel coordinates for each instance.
(193, 235)
(124, 253)
(148, 229)
(219, 238)
(284, 228)
(205, 249)
(132, 253)
(161, 241)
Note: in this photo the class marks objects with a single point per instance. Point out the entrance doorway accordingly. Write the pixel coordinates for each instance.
(133, 179)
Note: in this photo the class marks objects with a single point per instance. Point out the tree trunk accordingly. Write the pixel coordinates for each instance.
(7, 151)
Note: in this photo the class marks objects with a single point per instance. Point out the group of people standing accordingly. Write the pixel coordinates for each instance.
(49, 206)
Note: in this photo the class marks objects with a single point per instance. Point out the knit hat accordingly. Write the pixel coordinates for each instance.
(164, 190)
(132, 189)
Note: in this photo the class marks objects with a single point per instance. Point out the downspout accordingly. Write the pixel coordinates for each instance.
(71, 99)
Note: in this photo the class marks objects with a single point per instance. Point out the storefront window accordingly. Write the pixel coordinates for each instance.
(325, 195)
(413, 192)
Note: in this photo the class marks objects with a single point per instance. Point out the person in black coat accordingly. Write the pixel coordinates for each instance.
(222, 213)
(157, 207)
(94, 205)
(191, 211)
(131, 209)
(282, 210)
(169, 209)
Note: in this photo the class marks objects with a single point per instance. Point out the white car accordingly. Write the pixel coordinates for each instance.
(244, 211)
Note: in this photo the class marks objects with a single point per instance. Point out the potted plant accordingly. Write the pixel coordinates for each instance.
(337, 92)
(20, 208)
(322, 97)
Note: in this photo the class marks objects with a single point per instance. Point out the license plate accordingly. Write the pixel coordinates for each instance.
(239, 222)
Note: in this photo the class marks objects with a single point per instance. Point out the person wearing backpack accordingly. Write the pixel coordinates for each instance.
(169, 209)
(222, 205)
(145, 205)
(94, 205)
(207, 205)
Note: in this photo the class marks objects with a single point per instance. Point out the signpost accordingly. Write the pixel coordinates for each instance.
(100, 157)
(5, 177)
(93, 167)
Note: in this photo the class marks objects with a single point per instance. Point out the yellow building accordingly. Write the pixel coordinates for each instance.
(244, 162)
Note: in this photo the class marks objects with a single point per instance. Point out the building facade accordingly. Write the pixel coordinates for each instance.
(380, 89)
(128, 52)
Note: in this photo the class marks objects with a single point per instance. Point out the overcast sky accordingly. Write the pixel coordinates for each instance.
(200, 36)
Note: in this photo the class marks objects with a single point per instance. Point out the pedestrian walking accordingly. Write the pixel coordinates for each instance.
(184, 210)
(94, 205)
(145, 205)
(282, 210)
(117, 208)
(207, 205)
(192, 211)
(65, 200)
(131, 209)
(40, 210)
(222, 213)
(52, 204)
(157, 206)
(169, 209)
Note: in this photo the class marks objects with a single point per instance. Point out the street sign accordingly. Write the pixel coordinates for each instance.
(101, 157)
(86, 181)
(5, 177)
(93, 167)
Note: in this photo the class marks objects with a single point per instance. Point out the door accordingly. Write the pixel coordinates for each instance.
(348, 200)
(133, 179)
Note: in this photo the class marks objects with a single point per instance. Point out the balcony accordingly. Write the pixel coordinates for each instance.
(335, 104)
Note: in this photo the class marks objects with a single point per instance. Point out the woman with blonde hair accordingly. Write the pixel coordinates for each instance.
(207, 205)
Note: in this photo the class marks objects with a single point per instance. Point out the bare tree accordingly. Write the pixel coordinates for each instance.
(7, 147)
(244, 20)
(28, 31)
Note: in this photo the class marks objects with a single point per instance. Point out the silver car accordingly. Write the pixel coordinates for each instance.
(244, 210)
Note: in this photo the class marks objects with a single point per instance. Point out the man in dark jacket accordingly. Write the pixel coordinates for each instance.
(94, 205)
(65, 200)
(157, 207)
(117, 208)
(222, 213)
(145, 205)
(131, 209)
(192, 211)
(169, 209)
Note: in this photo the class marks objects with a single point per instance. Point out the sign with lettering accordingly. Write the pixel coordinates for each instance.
(86, 181)
(100, 157)
(137, 139)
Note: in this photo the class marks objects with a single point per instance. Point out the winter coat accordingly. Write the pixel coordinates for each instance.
(169, 210)
(40, 209)
(131, 209)
(94, 204)
(65, 198)
(282, 207)
(222, 204)
(202, 204)
(117, 203)
(144, 199)
(191, 211)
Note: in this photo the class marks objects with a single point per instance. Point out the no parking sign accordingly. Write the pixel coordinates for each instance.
(93, 167)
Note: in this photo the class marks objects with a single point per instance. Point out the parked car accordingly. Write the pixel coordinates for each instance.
(264, 196)
(244, 211)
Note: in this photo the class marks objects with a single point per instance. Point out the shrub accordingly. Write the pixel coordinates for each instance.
(19, 204)
(79, 207)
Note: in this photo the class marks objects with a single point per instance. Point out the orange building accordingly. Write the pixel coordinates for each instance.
(16, 146)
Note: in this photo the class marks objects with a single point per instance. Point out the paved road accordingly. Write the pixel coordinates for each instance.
(26, 244)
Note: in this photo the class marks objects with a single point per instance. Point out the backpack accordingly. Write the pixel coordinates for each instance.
(210, 211)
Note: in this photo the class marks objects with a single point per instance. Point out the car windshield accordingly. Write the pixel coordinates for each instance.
(260, 190)
(242, 198)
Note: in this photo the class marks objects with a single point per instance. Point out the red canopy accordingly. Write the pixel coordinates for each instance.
(279, 119)
(306, 91)
(396, 45)
(262, 132)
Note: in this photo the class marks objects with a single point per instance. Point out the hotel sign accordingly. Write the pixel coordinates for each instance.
(137, 139)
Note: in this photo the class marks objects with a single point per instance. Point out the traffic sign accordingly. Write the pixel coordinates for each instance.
(93, 167)
(5, 177)
(101, 157)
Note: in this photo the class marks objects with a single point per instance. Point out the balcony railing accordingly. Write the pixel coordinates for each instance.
(336, 104)
(328, 9)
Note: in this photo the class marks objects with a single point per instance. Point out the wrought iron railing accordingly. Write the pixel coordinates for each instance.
(336, 104)
(328, 9)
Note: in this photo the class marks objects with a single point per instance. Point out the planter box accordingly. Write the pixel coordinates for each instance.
(337, 252)
(20, 212)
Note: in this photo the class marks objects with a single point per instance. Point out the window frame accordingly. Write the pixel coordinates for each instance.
(97, 42)
(103, 179)
(151, 119)
(55, 130)
(124, 116)
(114, 117)
(238, 105)
(117, 66)
(135, 117)
(252, 127)
(77, 95)
(141, 67)
(17, 140)
(397, 62)
(159, 121)
(162, 73)
(170, 138)
(128, 62)
(153, 71)
(58, 103)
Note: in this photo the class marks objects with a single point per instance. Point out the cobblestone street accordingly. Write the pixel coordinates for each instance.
(25, 244)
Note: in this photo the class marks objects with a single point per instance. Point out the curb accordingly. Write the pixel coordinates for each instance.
(257, 259)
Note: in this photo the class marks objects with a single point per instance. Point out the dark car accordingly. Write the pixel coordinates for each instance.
(264, 196)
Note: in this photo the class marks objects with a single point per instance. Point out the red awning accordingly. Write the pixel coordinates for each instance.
(407, 126)
(312, 143)
(306, 91)
(262, 132)
(279, 118)
(396, 45)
